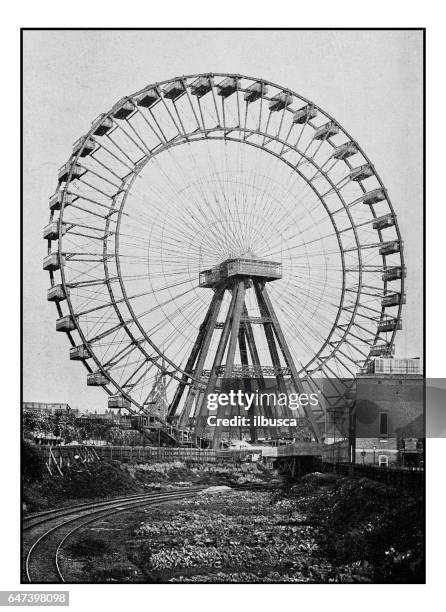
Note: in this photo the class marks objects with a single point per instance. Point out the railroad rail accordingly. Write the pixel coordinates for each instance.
(46, 532)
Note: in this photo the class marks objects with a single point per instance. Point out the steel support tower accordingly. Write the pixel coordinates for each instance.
(237, 337)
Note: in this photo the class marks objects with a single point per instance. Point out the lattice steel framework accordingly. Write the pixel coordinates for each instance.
(195, 170)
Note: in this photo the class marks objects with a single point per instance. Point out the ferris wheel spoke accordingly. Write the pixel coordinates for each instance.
(102, 148)
(193, 108)
(161, 139)
(133, 385)
(121, 300)
(169, 114)
(350, 360)
(104, 166)
(101, 177)
(179, 184)
(142, 150)
(83, 196)
(308, 313)
(145, 147)
(121, 150)
(301, 330)
(178, 116)
(104, 193)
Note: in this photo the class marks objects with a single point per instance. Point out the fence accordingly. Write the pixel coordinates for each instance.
(66, 455)
(405, 477)
(196, 455)
(336, 452)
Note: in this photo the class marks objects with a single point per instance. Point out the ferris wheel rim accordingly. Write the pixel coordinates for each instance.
(226, 137)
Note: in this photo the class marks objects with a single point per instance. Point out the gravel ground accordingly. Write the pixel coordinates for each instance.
(235, 536)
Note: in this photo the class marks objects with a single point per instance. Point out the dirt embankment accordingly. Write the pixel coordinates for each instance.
(105, 479)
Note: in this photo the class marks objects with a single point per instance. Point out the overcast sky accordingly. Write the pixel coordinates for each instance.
(371, 82)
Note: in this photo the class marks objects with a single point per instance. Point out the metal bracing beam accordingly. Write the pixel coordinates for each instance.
(264, 297)
(256, 363)
(235, 326)
(193, 356)
(217, 363)
(269, 333)
(202, 352)
(238, 299)
(247, 385)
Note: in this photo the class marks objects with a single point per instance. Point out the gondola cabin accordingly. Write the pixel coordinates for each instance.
(326, 131)
(64, 172)
(374, 196)
(124, 110)
(84, 146)
(57, 293)
(393, 299)
(79, 353)
(227, 87)
(148, 98)
(52, 262)
(105, 125)
(118, 402)
(389, 325)
(383, 222)
(381, 349)
(361, 173)
(201, 86)
(255, 91)
(174, 90)
(345, 150)
(388, 248)
(280, 101)
(56, 200)
(65, 324)
(96, 379)
(304, 114)
(394, 273)
(51, 231)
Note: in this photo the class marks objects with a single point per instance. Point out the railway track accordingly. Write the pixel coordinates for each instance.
(45, 533)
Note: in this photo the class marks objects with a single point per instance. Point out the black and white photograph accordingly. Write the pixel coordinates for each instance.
(223, 307)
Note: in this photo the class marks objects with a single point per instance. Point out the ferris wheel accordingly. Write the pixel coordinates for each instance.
(181, 182)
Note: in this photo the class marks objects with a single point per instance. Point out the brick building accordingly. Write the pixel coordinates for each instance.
(389, 413)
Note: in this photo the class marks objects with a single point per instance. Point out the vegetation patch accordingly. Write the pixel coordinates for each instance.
(365, 522)
(322, 529)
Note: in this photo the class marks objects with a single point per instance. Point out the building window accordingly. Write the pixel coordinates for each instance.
(383, 424)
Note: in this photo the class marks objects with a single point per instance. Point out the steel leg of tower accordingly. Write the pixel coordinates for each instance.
(288, 357)
(208, 330)
(201, 409)
(247, 384)
(204, 328)
(234, 329)
(269, 333)
(266, 410)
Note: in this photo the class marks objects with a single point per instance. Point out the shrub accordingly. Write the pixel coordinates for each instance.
(33, 464)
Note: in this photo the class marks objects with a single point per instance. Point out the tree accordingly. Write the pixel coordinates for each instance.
(37, 422)
(115, 435)
(70, 433)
